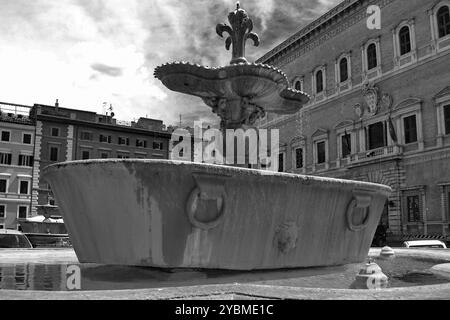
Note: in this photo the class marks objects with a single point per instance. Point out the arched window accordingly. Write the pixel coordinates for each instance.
(319, 81)
(343, 69)
(443, 20)
(298, 85)
(405, 40)
(372, 61)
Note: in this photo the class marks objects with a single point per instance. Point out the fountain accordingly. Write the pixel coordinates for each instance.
(172, 214)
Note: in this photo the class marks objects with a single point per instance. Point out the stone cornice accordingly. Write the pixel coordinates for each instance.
(347, 13)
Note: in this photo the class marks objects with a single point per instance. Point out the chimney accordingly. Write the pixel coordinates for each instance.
(57, 105)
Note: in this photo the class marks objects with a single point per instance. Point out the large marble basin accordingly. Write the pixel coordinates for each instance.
(185, 215)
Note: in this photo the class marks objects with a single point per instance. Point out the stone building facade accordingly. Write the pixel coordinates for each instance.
(64, 134)
(379, 109)
(16, 164)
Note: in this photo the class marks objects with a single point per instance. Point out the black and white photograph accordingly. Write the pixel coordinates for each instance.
(224, 156)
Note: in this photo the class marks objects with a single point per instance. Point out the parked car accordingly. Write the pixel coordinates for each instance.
(425, 244)
(13, 239)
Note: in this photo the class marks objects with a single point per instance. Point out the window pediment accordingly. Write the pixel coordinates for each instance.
(345, 124)
(407, 103)
(438, 4)
(320, 133)
(443, 94)
(298, 140)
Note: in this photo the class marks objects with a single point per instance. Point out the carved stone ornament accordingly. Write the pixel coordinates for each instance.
(286, 237)
(386, 101)
(359, 111)
(371, 96)
(240, 31)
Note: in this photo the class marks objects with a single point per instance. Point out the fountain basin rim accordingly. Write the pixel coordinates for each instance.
(158, 71)
(221, 170)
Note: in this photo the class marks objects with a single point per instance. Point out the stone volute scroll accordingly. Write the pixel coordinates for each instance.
(360, 203)
(208, 187)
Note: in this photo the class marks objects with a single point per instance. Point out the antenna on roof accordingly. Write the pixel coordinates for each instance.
(111, 110)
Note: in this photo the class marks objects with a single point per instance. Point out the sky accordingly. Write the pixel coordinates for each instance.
(88, 52)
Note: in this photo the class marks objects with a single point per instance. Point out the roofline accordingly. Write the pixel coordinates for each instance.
(63, 108)
(106, 126)
(15, 105)
(310, 28)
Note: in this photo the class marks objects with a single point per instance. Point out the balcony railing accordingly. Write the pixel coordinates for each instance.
(370, 155)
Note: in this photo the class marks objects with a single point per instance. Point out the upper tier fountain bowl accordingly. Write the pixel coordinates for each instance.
(190, 215)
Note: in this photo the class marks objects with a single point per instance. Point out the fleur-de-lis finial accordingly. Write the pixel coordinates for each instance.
(240, 30)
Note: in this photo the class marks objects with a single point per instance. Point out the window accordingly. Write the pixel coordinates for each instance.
(372, 61)
(447, 119)
(410, 126)
(123, 156)
(321, 154)
(104, 155)
(443, 20)
(346, 143)
(158, 145)
(413, 208)
(25, 160)
(54, 151)
(55, 132)
(2, 211)
(22, 212)
(24, 187)
(448, 204)
(405, 40)
(124, 141)
(85, 155)
(281, 162)
(26, 138)
(298, 85)
(5, 158)
(6, 136)
(141, 143)
(86, 136)
(377, 136)
(3, 185)
(319, 81)
(343, 70)
(299, 158)
(105, 139)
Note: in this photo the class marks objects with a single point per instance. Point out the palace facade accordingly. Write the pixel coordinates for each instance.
(379, 109)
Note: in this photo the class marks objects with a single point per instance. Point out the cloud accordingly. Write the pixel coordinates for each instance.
(86, 52)
(107, 70)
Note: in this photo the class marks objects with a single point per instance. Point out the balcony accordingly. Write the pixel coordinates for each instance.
(15, 197)
(372, 155)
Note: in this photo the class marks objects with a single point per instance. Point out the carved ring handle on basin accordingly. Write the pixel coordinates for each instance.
(192, 206)
(362, 201)
(208, 187)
